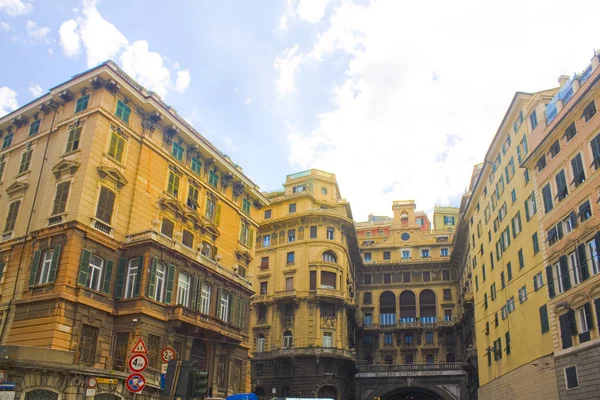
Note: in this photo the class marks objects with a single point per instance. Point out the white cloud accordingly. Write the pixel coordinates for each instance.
(388, 106)
(146, 67)
(14, 8)
(5, 26)
(8, 100)
(51, 52)
(36, 90)
(39, 33)
(183, 80)
(283, 22)
(311, 10)
(70, 40)
(248, 101)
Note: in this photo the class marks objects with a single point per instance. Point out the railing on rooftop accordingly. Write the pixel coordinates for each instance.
(566, 93)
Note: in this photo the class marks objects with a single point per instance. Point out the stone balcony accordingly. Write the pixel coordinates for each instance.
(306, 351)
(208, 322)
(412, 323)
(383, 370)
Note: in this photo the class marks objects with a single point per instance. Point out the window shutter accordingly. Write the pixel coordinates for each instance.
(138, 278)
(550, 280)
(597, 305)
(199, 296)
(572, 324)
(84, 267)
(2, 265)
(567, 340)
(544, 318)
(588, 315)
(35, 264)
(527, 209)
(54, 264)
(217, 214)
(219, 303)
(597, 241)
(107, 276)
(170, 274)
(126, 113)
(119, 282)
(564, 273)
(250, 238)
(231, 308)
(194, 293)
(583, 265)
(151, 283)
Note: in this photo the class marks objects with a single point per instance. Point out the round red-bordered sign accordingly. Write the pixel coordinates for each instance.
(168, 354)
(138, 362)
(92, 382)
(135, 382)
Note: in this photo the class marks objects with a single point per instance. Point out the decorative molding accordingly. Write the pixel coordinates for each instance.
(119, 130)
(225, 179)
(173, 205)
(150, 120)
(238, 188)
(112, 174)
(169, 133)
(16, 188)
(97, 82)
(66, 96)
(78, 122)
(19, 121)
(65, 166)
(48, 106)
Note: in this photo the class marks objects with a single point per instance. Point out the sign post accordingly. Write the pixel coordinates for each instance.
(138, 362)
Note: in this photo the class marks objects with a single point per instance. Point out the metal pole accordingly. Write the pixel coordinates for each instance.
(175, 381)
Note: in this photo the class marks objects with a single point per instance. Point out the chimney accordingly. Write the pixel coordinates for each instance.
(563, 79)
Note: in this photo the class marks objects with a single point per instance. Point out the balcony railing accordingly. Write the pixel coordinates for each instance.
(314, 351)
(382, 368)
(205, 321)
(407, 323)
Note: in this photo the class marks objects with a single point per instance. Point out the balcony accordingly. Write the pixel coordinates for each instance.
(328, 322)
(306, 351)
(329, 293)
(413, 323)
(152, 235)
(180, 313)
(285, 294)
(382, 370)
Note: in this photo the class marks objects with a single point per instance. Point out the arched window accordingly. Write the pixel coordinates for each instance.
(427, 306)
(287, 339)
(387, 309)
(41, 394)
(404, 219)
(327, 392)
(429, 359)
(389, 360)
(260, 343)
(408, 360)
(183, 289)
(329, 256)
(408, 306)
(450, 357)
(198, 354)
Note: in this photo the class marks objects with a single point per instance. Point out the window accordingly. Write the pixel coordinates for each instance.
(213, 178)
(547, 196)
(11, 217)
(260, 343)
(584, 314)
(447, 294)
(224, 306)
(193, 194)
(73, 139)
(444, 252)
(509, 271)
(327, 339)
(571, 131)
(183, 289)
(368, 338)
(476, 283)
(177, 151)
(266, 241)
(167, 227)
(246, 234)
(87, 351)
(173, 184)
(585, 211)
(405, 254)
(292, 208)
(132, 283)
(485, 301)
(578, 172)
(387, 278)
(589, 111)
(428, 337)
(60, 198)
(367, 256)
(298, 189)
(287, 340)
(388, 339)
(291, 235)
(571, 378)
(330, 233)
(526, 175)
(387, 256)
(523, 294)
(561, 185)
(426, 276)
(44, 275)
(367, 298)
(533, 120)
(205, 298)
(516, 224)
(159, 282)
(555, 148)
(502, 280)
(212, 210)
(290, 257)
(521, 261)
(2, 167)
(425, 253)
(94, 277)
(448, 220)
(246, 206)
(570, 222)
(429, 359)
(406, 277)
(328, 280)
(574, 268)
(7, 141)
(408, 338)
(116, 147)
(483, 271)
(594, 144)
(313, 232)
(493, 291)
(513, 196)
(445, 275)
(329, 256)
(538, 281)
(25, 161)
(594, 257)
(82, 103)
(34, 127)
(123, 111)
(536, 244)
(264, 287)
(367, 279)
(268, 214)
(510, 304)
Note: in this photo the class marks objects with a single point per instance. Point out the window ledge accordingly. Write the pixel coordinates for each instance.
(22, 174)
(114, 160)
(68, 153)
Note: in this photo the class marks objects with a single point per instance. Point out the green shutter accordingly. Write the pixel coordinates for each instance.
(84, 267)
(550, 282)
(54, 264)
(544, 318)
(126, 113)
(35, 264)
(588, 316)
(170, 273)
(218, 214)
(231, 309)
(564, 273)
(119, 282)
(583, 265)
(138, 278)
(199, 295)
(219, 303)
(107, 276)
(1, 270)
(151, 283)
(251, 238)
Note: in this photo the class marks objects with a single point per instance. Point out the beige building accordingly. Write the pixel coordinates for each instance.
(120, 222)
(304, 278)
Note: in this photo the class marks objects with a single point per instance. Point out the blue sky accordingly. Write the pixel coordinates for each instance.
(398, 100)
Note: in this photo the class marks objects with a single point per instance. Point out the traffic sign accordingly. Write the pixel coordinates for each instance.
(109, 381)
(135, 382)
(140, 347)
(168, 354)
(92, 382)
(138, 362)
(2, 376)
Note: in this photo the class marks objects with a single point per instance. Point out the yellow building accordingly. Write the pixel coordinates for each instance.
(504, 264)
(407, 310)
(303, 275)
(564, 165)
(445, 218)
(120, 222)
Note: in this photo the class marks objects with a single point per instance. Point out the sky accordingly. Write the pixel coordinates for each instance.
(398, 99)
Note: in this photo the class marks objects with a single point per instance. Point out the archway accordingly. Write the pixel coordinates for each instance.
(327, 392)
(427, 306)
(41, 394)
(421, 392)
(198, 354)
(408, 306)
(387, 308)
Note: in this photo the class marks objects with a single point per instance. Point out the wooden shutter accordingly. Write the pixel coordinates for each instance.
(120, 280)
(170, 273)
(583, 265)
(107, 276)
(588, 315)
(313, 280)
(572, 324)
(597, 305)
(564, 273)
(35, 265)
(194, 292)
(231, 309)
(2, 265)
(126, 113)
(218, 214)
(219, 290)
(54, 263)
(60, 199)
(550, 282)
(84, 267)
(544, 318)
(250, 237)
(527, 209)
(199, 296)
(151, 283)
(138, 278)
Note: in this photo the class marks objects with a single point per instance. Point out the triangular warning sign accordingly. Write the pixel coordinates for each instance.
(140, 347)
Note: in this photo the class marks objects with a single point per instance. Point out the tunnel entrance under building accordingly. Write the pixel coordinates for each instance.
(412, 393)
